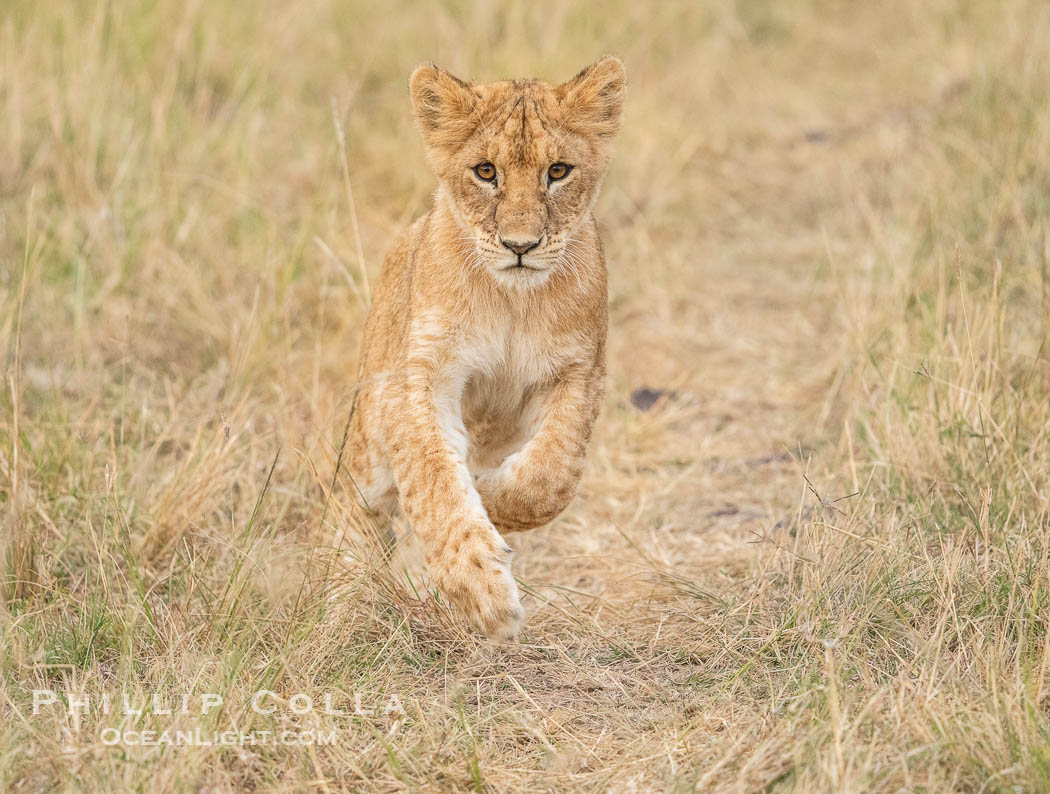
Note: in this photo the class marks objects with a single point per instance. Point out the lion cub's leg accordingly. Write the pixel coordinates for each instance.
(465, 553)
(367, 463)
(533, 485)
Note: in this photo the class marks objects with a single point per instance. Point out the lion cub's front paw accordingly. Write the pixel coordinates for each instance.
(473, 571)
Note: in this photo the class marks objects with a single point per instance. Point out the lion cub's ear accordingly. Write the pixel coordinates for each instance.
(593, 99)
(443, 105)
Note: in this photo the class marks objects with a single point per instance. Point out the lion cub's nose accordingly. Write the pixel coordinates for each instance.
(520, 248)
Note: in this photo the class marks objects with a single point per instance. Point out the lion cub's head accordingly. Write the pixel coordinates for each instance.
(521, 160)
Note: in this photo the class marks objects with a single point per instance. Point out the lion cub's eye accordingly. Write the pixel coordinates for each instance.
(558, 171)
(485, 171)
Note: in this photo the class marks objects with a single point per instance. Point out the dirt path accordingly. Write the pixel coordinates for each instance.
(736, 316)
(663, 540)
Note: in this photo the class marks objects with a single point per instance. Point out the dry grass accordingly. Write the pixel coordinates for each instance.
(820, 563)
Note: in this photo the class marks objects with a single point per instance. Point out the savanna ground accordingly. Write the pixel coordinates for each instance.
(819, 562)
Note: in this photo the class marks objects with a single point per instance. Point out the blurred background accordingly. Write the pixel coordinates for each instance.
(826, 426)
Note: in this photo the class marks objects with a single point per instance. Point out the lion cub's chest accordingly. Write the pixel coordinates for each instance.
(505, 365)
(509, 370)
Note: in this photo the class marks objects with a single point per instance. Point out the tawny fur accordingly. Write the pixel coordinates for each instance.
(482, 373)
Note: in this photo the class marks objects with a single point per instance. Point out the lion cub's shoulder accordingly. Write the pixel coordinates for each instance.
(391, 301)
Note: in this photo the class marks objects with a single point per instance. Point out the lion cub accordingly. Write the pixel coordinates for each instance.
(483, 361)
